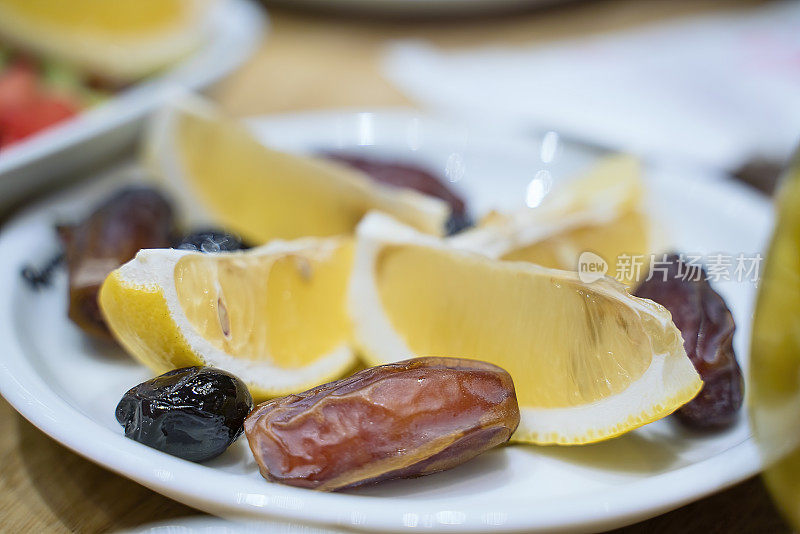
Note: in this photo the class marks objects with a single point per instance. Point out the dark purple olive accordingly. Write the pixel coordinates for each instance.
(210, 240)
(194, 413)
(458, 223)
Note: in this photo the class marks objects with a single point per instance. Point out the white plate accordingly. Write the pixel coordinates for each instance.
(419, 7)
(236, 28)
(69, 386)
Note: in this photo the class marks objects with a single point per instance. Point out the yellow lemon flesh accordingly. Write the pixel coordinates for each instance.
(589, 361)
(217, 170)
(275, 316)
(599, 212)
(120, 40)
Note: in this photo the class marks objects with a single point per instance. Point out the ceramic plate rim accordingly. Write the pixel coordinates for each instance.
(423, 7)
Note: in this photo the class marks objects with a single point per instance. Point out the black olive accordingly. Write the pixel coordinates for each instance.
(210, 240)
(194, 413)
(458, 223)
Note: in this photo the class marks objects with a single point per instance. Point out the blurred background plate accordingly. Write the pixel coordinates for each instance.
(419, 7)
(68, 385)
(103, 132)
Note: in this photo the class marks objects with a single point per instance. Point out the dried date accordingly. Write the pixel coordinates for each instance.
(707, 326)
(400, 420)
(412, 177)
(129, 220)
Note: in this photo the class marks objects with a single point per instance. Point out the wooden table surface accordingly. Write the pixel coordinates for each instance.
(316, 61)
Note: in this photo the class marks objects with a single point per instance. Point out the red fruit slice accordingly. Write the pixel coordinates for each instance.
(29, 117)
(17, 85)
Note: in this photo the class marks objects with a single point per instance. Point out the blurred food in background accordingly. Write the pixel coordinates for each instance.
(120, 41)
(58, 58)
(35, 94)
(775, 353)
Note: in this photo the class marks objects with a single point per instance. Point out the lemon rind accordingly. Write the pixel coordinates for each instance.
(597, 422)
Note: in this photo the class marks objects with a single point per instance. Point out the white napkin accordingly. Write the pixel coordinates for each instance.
(716, 90)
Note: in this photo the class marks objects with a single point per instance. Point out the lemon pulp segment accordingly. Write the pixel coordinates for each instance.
(228, 167)
(545, 331)
(287, 309)
(614, 181)
(622, 241)
(219, 173)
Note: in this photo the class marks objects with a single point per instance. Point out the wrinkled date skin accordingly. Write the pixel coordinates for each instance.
(707, 327)
(194, 413)
(131, 219)
(401, 420)
(412, 177)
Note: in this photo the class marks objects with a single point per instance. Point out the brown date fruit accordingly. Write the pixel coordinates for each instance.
(707, 326)
(411, 177)
(131, 219)
(400, 420)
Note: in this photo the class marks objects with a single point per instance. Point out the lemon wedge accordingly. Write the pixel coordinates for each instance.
(599, 212)
(589, 361)
(275, 316)
(218, 171)
(120, 40)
